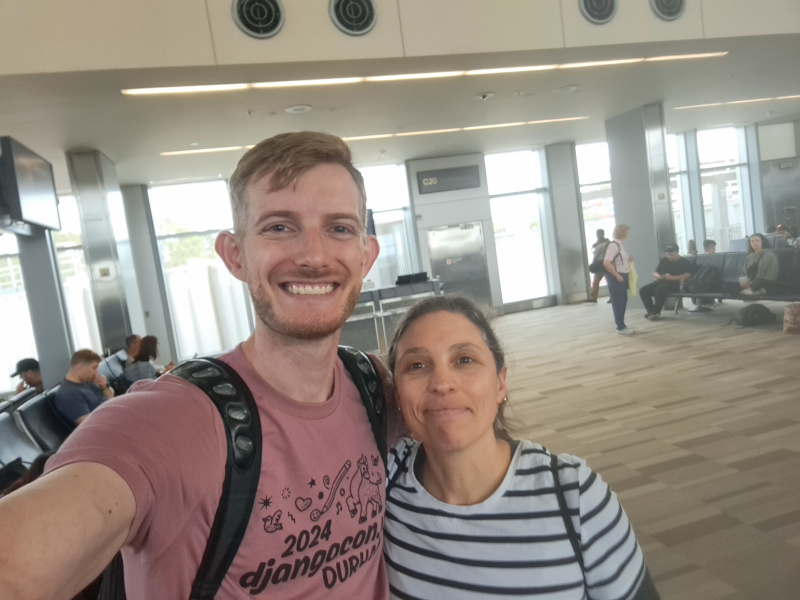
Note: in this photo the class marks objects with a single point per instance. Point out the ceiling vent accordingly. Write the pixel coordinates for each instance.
(353, 17)
(598, 12)
(668, 10)
(258, 18)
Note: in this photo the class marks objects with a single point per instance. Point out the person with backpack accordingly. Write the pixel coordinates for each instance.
(596, 266)
(147, 474)
(142, 365)
(672, 270)
(616, 263)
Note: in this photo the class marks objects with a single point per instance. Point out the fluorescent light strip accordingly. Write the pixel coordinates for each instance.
(201, 151)
(478, 127)
(186, 89)
(404, 77)
(407, 133)
(368, 137)
(307, 82)
(415, 76)
(736, 102)
(456, 129)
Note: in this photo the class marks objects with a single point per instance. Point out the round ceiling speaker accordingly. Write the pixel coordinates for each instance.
(353, 17)
(668, 10)
(258, 18)
(598, 12)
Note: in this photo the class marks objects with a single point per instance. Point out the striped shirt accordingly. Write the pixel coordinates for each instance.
(514, 543)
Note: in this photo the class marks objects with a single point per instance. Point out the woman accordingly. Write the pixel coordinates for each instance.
(142, 366)
(760, 268)
(472, 513)
(616, 264)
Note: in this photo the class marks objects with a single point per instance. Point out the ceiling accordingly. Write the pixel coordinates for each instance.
(56, 113)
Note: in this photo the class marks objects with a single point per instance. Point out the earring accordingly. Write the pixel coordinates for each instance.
(505, 398)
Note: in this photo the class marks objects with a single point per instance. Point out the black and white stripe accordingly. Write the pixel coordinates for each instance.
(513, 544)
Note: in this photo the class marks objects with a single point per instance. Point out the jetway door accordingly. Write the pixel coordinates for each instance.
(458, 259)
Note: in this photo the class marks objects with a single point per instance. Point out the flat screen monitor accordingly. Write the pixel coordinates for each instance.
(27, 187)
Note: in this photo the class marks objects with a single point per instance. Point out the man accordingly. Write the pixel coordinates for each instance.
(710, 246)
(146, 477)
(598, 253)
(83, 388)
(30, 377)
(670, 272)
(131, 350)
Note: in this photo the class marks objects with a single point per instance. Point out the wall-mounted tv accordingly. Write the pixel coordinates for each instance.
(27, 188)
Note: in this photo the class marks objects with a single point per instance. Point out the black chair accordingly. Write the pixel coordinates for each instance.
(6, 406)
(21, 398)
(40, 420)
(732, 269)
(14, 443)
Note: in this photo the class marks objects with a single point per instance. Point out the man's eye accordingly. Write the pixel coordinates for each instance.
(276, 228)
(341, 229)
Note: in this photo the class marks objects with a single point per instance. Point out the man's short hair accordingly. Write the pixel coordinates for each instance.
(131, 339)
(708, 244)
(285, 157)
(84, 357)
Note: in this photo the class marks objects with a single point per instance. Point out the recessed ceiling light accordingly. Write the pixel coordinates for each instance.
(485, 96)
(566, 89)
(298, 109)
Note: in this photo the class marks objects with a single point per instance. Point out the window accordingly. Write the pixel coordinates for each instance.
(597, 203)
(209, 307)
(722, 170)
(679, 192)
(515, 184)
(75, 284)
(387, 197)
(14, 305)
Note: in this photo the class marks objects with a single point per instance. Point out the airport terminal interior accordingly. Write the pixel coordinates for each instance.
(494, 139)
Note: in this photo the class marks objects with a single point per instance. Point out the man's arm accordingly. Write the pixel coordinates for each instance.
(61, 531)
(101, 382)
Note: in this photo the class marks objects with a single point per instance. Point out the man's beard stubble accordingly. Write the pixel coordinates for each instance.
(301, 330)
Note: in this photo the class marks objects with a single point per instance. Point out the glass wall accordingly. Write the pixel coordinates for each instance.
(209, 307)
(17, 328)
(597, 203)
(722, 170)
(679, 193)
(387, 197)
(515, 187)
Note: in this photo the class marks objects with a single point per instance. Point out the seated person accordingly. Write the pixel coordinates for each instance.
(125, 356)
(83, 388)
(709, 246)
(30, 377)
(760, 268)
(469, 508)
(671, 271)
(142, 366)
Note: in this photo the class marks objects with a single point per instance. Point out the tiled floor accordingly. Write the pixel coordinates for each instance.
(694, 423)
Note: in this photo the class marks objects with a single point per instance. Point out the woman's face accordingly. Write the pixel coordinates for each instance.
(755, 243)
(447, 383)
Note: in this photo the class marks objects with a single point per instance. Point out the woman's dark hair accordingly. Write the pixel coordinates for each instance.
(466, 307)
(148, 349)
(764, 242)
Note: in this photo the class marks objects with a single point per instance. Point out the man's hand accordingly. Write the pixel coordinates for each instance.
(101, 382)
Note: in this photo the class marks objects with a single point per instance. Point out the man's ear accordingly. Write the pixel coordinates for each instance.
(371, 249)
(227, 246)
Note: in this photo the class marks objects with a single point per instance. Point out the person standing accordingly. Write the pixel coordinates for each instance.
(146, 476)
(616, 264)
(598, 254)
(671, 271)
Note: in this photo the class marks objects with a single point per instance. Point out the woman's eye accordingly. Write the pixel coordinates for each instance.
(465, 360)
(414, 366)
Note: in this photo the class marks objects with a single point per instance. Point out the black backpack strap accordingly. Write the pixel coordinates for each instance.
(239, 413)
(562, 505)
(369, 385)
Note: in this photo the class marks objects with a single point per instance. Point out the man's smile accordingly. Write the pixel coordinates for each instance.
(309, 289)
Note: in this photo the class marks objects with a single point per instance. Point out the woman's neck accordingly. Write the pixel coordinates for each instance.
(468, 476)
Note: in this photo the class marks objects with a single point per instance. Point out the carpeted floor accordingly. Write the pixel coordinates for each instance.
(694, 423)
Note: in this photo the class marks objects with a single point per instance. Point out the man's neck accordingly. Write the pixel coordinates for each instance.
(73, 378)
(300, 369)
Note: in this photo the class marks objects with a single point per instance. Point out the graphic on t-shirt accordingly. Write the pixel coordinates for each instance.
(272, 523)
(302, 504)
(316, 513)
(364, 490)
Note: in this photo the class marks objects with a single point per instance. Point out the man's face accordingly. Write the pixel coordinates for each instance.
(31, 378)
(134, 347)
(302, 255)
(711, 250)
(673, 256)
(87, 371)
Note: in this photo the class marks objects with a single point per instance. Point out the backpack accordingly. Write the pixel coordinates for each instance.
(754, 314)
(235, 403)
(596, 266)
(708, 278)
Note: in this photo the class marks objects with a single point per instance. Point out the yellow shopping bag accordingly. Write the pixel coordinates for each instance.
(633, 279)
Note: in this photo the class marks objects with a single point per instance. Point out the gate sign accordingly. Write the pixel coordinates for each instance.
(447, 180)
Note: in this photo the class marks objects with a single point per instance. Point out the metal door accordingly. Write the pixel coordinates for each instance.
(458, 259)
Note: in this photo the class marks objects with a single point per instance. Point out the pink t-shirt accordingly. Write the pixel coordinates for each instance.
(316, 529)
(617, 255)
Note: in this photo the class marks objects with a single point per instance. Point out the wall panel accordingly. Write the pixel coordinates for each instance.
(728, 18)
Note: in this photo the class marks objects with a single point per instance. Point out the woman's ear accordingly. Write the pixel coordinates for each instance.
(502, 389)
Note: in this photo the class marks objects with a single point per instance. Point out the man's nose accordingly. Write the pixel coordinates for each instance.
(313, 253)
